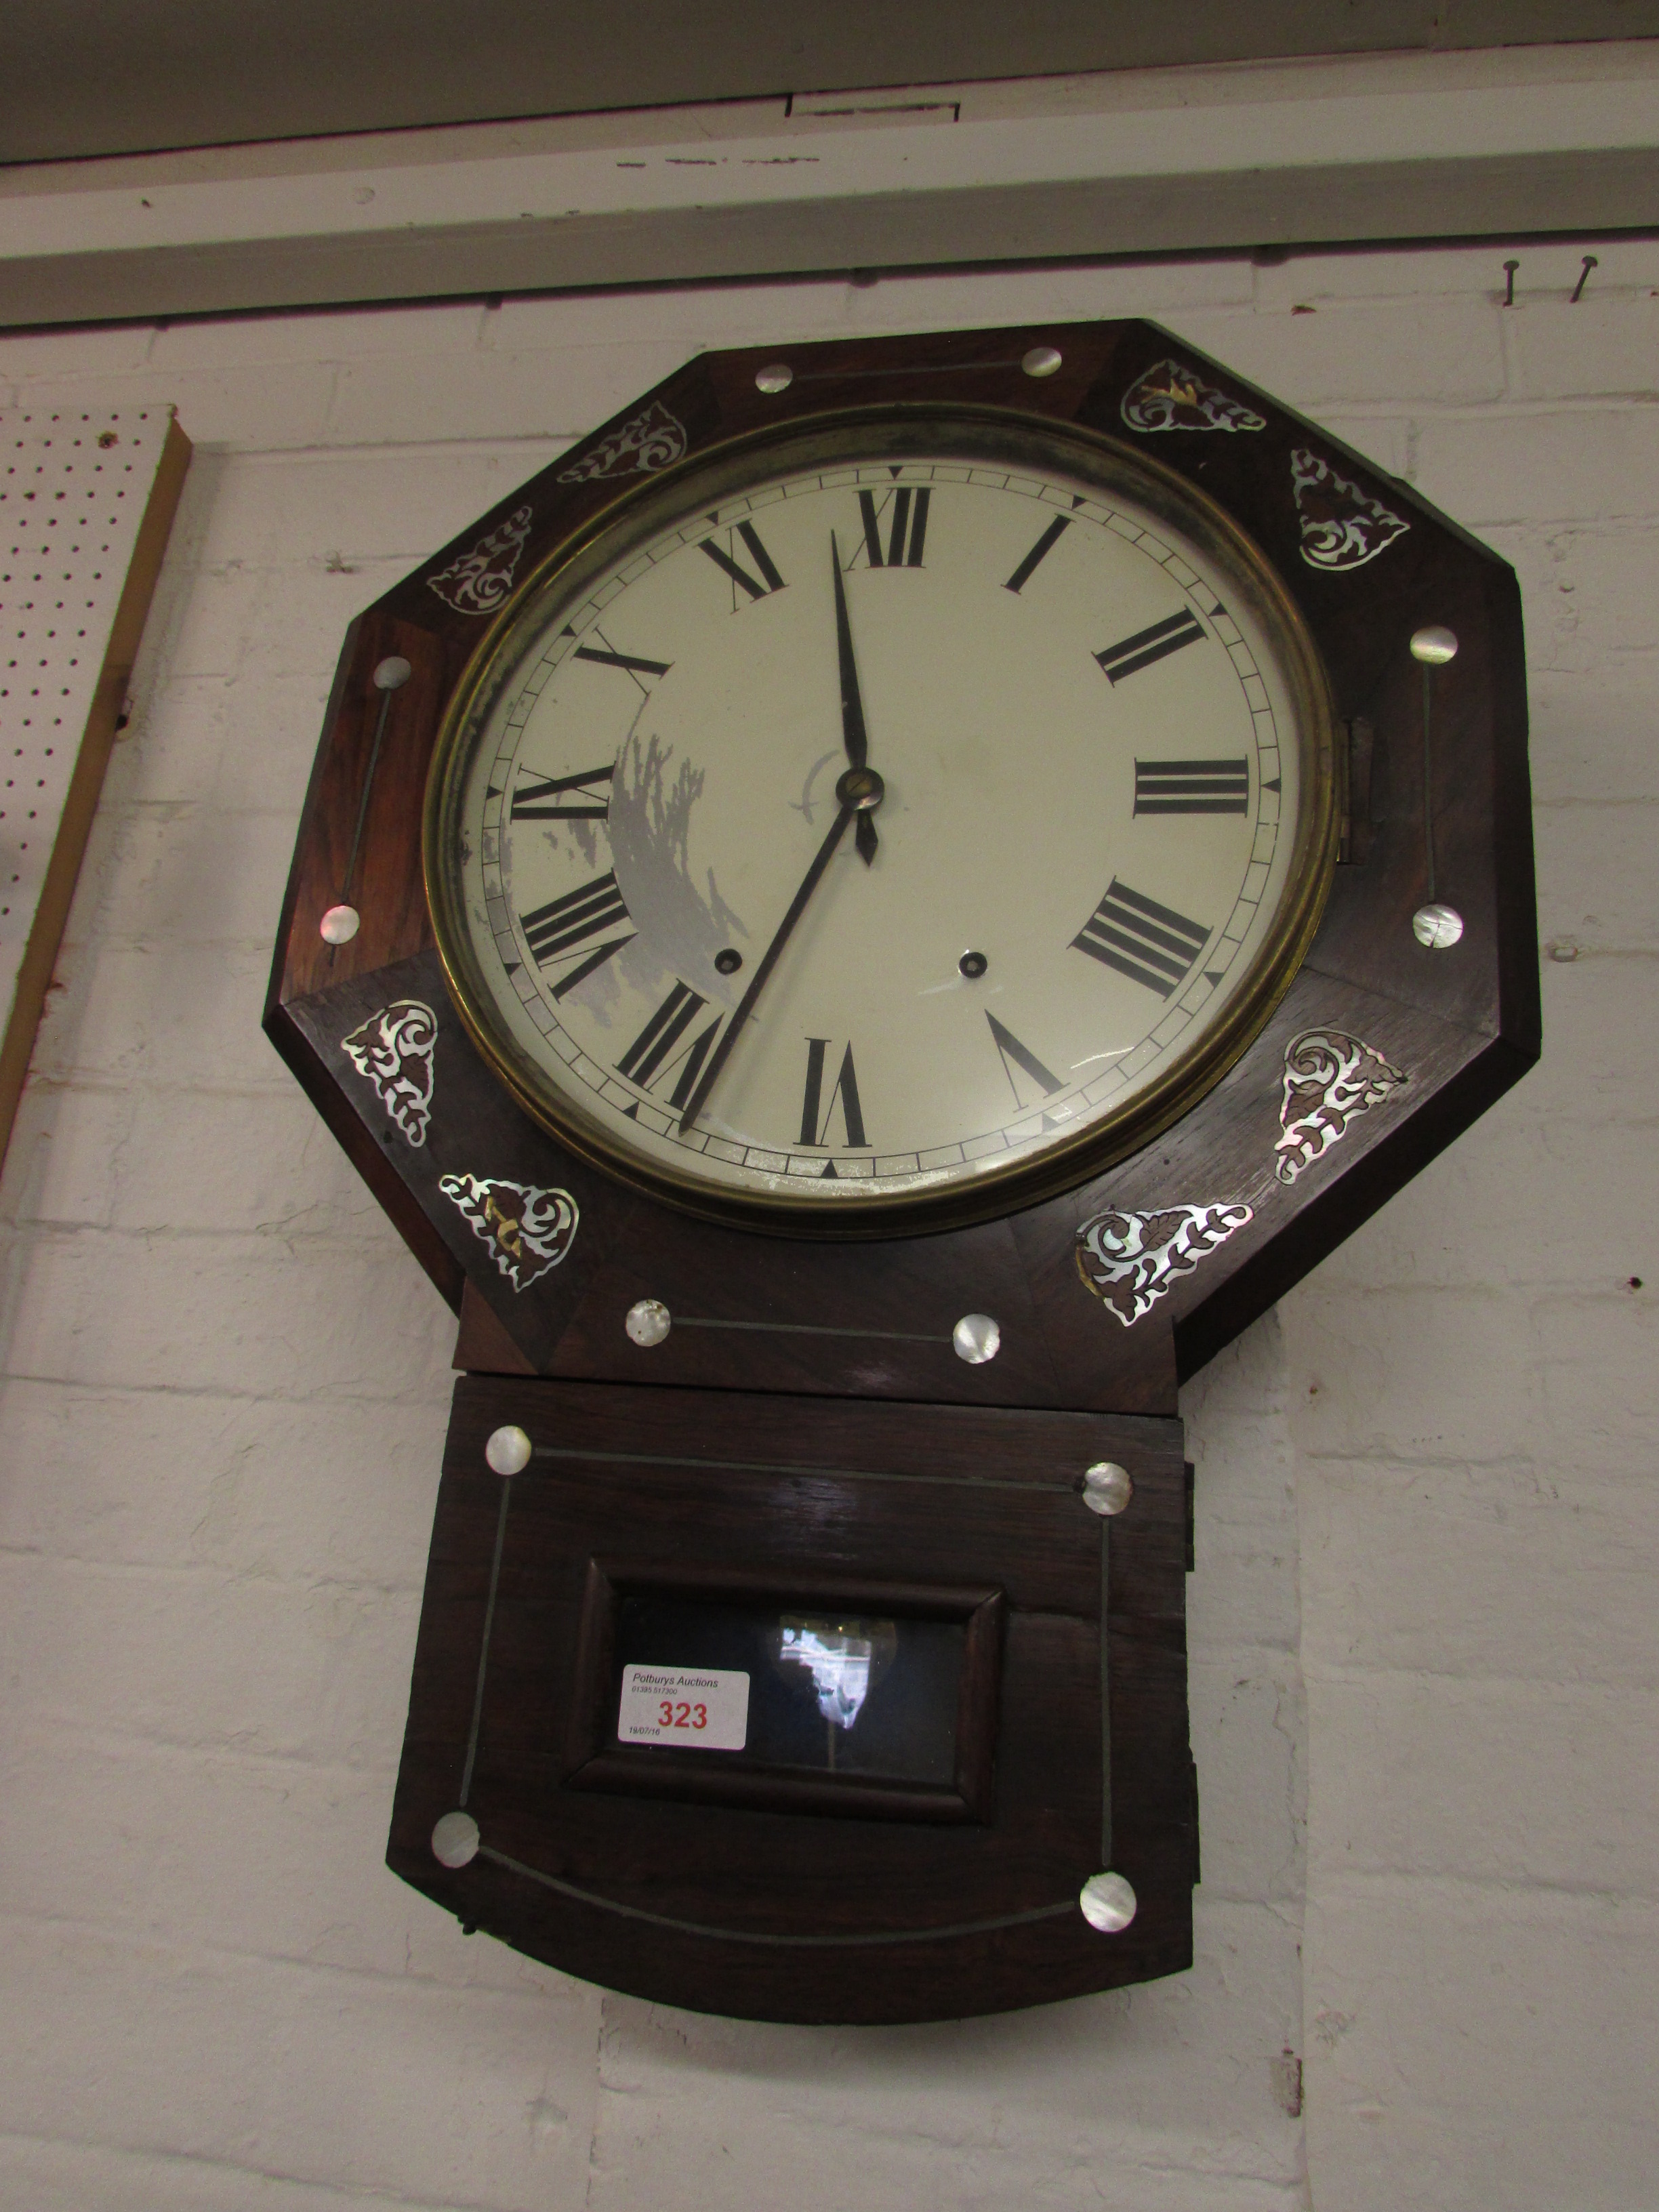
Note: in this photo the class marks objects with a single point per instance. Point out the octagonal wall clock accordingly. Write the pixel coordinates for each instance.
(861, 925)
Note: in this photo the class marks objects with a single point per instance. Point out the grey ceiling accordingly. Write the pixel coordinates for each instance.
(85, 77)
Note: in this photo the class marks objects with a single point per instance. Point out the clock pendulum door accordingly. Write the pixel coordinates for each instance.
(806, 1710)
(863, 925)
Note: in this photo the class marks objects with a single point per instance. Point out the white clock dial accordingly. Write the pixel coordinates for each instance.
(1099, 796)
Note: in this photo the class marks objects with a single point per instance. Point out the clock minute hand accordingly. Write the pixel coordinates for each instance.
(854, 733)
(858, 790)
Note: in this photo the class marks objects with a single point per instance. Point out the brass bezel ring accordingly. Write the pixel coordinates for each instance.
(1003, 437)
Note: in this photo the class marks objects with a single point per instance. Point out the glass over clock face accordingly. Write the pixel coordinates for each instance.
(895, 816)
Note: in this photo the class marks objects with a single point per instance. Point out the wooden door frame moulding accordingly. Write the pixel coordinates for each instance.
(1553, 140)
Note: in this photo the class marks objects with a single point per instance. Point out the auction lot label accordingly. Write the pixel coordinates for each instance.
(709, 1710)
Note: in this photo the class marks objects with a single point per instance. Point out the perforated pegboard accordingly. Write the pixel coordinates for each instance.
(86, 503)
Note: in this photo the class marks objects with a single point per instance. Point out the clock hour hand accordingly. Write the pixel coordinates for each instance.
(859, 791)
(854, 734)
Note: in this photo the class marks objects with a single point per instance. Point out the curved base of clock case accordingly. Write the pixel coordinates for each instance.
(962, 1693)
(818, 1978)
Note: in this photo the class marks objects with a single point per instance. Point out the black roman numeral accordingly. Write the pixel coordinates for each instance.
(1044, 546)
(769, 580)
(1147, 646)
(657, 1050)
(905, 513)
(533, 802)
(632, 664)
(1193, 786)
(1017, 1055)
(1141, 939)
(559, 929)
(815, 1109)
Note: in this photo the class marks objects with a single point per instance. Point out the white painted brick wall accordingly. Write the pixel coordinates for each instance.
(1425, 1670)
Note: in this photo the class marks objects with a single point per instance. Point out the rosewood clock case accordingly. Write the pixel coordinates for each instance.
(806, 1432)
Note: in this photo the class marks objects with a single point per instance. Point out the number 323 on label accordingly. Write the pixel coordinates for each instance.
(707, 1708)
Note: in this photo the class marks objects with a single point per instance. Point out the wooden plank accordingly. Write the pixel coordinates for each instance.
(88, 504)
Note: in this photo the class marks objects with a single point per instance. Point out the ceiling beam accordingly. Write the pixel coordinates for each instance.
(81, 79)
(1558, 139)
